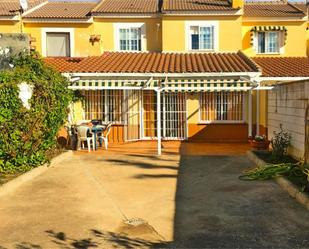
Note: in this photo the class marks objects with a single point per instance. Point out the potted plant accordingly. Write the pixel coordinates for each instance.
(260, 142)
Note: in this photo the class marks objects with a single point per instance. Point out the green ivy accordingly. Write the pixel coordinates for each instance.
(28, 135)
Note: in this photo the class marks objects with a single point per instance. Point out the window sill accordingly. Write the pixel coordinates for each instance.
(269, 53)
(220, 122)
(201, 50)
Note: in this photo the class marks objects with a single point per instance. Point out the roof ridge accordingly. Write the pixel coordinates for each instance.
(249, 60)
(265, 2)
(293, 6)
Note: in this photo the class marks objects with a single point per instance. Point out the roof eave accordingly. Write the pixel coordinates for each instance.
(126, 15)
(274, 18)
(232, 12)
(58, 20)
(14, 18)
(163, 75)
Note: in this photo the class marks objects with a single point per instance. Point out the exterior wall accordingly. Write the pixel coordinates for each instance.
(296, 44)
(174, 29)
(82, 32)
(212, 132)
(105, 27)
(287, 106)
(9, 27)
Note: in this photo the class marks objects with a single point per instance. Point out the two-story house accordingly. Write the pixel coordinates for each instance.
(171, 69)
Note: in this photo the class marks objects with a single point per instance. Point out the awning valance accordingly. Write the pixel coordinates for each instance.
(168, 85)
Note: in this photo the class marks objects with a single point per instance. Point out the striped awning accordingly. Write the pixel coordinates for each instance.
(265, 29)
(170, 85)
(268, 28)
(111, 84)
(205, 85)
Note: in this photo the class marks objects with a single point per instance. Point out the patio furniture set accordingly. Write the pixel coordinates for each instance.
(90, 132)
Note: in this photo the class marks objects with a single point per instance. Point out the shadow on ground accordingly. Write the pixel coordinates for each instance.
(214, 209)
(96, 239)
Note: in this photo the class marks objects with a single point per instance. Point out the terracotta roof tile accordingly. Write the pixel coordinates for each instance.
(196, 5)
(65, 10)
(122, 62)
(127, 6)
(11, 8)
(284, 66)
(272, 10)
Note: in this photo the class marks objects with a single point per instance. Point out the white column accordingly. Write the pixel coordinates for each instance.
(159, 121)
(250, 114)
(257, 112)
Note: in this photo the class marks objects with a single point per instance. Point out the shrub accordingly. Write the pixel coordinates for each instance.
(280, 143)
(28, 135)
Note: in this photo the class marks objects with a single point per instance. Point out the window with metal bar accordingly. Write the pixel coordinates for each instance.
(222, 107)
(105, 105)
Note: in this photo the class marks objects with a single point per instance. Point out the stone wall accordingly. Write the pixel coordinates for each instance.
(287, 105)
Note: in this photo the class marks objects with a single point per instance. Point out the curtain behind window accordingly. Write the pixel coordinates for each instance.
(58, 44)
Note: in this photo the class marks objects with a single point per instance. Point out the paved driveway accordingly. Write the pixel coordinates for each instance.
(132, 201)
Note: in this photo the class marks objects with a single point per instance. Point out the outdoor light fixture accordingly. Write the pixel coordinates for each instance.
(94, 38)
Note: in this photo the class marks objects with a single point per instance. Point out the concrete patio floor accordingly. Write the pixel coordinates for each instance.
(187, 199)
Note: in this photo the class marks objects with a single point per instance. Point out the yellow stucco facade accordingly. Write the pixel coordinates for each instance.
(174, 28)
(10, 26)
(82, 45)
(106, 27)
(293, 43)
(170, 33)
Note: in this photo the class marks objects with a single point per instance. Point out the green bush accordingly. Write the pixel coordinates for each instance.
(280, 143)
(28, 135)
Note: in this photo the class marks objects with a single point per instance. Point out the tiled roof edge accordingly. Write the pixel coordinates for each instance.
(250, 61)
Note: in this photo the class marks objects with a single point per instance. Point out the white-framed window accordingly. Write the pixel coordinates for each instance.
(268, 42)
(58, 42)
(130, 37)
(202, 35)
(222, 107)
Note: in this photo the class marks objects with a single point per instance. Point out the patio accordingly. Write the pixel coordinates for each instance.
(149, 148)
(189, 197)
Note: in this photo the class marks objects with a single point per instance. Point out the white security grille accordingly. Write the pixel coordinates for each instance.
(103, 104)
(174, 115)
(222, 106)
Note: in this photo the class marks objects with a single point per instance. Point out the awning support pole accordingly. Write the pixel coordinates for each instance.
(250, 115)
(159, 121)
(257, 112)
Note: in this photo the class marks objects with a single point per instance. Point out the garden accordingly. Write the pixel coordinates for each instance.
(33, 107)
(277, 162)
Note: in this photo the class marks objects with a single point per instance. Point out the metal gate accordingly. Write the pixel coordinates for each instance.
(173, 116)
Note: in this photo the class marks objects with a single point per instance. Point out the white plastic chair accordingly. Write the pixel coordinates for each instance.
(104, 135)
(83, 136)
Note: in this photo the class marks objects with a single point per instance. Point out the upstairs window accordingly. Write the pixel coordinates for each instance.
(268, 42)
(130, 39)
(58, 44)
(202, 37)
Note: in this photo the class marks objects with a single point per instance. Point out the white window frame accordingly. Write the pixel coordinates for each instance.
(214, 24)
(118, 26)
(280, 43)
(57, 30)
(200, 121)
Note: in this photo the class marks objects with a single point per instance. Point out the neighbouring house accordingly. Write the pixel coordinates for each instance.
(171, 69)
